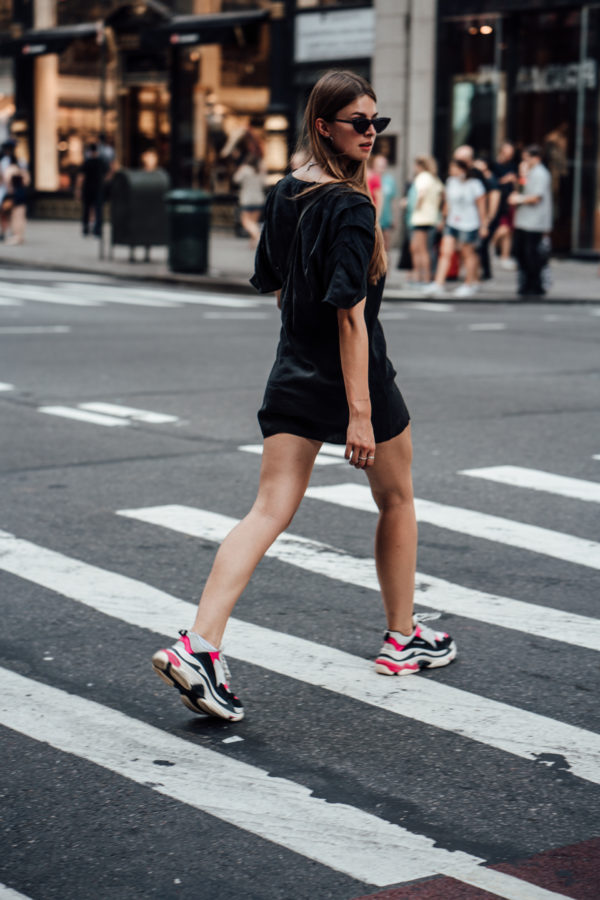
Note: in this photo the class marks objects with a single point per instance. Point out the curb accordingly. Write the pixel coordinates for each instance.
(232, 284)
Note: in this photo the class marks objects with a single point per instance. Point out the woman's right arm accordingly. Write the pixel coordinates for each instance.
(354, 354)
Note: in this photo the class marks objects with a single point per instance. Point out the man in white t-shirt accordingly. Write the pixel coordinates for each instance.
(533, 222)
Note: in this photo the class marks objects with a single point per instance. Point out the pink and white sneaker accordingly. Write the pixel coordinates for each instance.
(200, 677)
(425, 649)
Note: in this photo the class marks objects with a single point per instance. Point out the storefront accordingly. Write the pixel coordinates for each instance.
(515, 71)
(169, 84)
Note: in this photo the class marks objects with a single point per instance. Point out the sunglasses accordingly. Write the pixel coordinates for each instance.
(361, 124)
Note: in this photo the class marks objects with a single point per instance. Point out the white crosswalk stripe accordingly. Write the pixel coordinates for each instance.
(515, 731)
(533, 479)
(351, 841)
(7, 893)
(476, 524)
(436, 593)
(71, 293)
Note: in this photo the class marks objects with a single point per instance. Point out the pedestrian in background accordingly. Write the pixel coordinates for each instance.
(533, 222)
(14, 204)
(90, 189)
(466, 224)
(425, 216)
(322, 251)
(250, 176)
(493, 196)
(506, 171)
(375, 186)
(389, 191)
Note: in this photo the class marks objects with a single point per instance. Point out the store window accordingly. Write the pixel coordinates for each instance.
(529, 77)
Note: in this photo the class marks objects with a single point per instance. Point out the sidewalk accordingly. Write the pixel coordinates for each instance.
(60, 245)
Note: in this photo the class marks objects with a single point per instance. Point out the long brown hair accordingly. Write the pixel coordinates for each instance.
(332, 92)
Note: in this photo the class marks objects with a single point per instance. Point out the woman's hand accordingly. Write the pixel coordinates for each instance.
(360, 441)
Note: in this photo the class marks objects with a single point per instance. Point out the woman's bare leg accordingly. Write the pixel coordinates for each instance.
(396, 535)
(287, 464)
(471, 263)
(249, 221)
(447, 249)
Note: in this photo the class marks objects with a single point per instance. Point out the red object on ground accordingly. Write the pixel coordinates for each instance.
(573, 871)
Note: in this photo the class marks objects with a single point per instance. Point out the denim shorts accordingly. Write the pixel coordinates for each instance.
(463, 237)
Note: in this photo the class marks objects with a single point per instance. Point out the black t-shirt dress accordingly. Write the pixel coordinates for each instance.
(316, 248)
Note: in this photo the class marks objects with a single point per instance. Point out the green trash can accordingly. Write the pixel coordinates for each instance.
(189, 227)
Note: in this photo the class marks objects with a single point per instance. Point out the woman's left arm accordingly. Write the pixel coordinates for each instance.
(354, 354)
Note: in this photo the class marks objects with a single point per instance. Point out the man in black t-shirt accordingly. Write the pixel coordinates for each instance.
(91, 189)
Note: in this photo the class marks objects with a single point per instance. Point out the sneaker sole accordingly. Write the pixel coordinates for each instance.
(416, 664)
(196, 697)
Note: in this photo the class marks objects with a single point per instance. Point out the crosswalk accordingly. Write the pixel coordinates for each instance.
(289, 812)
(90, 294)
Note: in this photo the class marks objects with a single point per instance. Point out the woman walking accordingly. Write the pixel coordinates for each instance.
(251, 178)
(323, 254)
(466, 223)
(425, 216)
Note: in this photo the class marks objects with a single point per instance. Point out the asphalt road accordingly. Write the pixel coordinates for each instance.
(489, 769)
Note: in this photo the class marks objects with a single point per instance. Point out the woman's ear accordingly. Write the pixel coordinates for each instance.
(323, 128)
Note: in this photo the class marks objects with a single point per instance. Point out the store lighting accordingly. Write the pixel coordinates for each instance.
(473, 29)
(486, 29)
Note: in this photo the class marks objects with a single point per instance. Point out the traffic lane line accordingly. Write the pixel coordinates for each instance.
(339, 836)
(573, 871)
(536, 480)
(558, 545)
(436, 593)
(516, 731)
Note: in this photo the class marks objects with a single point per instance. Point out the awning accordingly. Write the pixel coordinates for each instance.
(36, 42)
(220, 28)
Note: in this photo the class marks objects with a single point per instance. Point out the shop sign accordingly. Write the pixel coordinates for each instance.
(565, 77)
(34, 49)
(184, 39)
(341, 34)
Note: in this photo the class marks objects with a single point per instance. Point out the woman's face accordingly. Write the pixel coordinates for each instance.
(456, 171)
(345, 139)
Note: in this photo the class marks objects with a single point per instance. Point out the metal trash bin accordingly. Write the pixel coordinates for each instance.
(138, 213)
(189, 229)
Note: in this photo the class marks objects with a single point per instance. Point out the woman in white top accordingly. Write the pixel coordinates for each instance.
(466, 222)
(251, 179)
(425, 215)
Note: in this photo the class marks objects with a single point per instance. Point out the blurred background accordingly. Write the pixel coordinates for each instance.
(193, 86)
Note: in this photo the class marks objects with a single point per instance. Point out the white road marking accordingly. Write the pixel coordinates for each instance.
(342, 837)
(535, 480)
(325, 456)
(480, 525)
(35, 329)
(5, 301)
(284, 812)
(426, 306)
(81, 415)
(46, 295)
(487, 326)
(129, 412)
(512, 730)
(7, 893)
(393, 315)
(114, 294)
(202, 299)
(52, 275)
(436, 593)
(4, 386)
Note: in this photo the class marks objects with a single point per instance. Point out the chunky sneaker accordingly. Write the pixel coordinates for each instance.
(426, 649)
(201, 679)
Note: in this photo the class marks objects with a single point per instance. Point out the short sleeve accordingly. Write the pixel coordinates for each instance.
(477, 188)
(347, 263)
(267, 278)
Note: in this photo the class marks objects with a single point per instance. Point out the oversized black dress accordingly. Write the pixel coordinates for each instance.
(316, 248)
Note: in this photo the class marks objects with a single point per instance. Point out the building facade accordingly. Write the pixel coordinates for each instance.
(186, 83)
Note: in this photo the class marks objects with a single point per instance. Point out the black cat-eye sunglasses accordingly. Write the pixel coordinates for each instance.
(361, 124)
